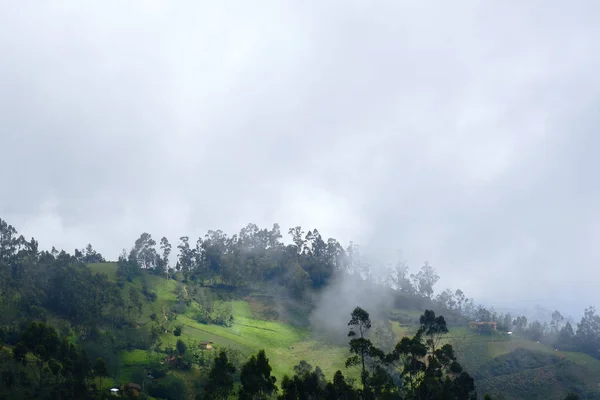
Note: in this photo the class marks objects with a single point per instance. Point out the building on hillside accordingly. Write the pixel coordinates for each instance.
(484, 326)
(131, 386)
(206, 345)
(131, 389)
(169, 359)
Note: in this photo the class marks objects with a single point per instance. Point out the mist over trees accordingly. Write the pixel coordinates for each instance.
(36, 285)
(252, 258)
(259, 259)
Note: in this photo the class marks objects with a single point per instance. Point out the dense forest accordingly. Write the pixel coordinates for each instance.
(63, 325)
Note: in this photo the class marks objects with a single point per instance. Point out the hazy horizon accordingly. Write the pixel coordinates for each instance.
(462, 134)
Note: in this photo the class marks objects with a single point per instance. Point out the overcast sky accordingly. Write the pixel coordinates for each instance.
(464, 133)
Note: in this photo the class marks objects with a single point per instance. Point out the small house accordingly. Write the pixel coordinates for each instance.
(485, 326)
(206, 345)
(169, 359)
(114, 391)
(133, 387)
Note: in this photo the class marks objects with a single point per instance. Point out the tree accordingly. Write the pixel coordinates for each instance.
(340, 389)
(186, 256)
(220, 378)
(408, 359)
(520, 323)
(177, 331)
(297, 235)
(362, 348)
(536, 330)
(181, 347)
(429, 372)
(165, 247)
(460, 299)
(433, 327)
(565, 337)
(170, 388)
(425, 280)
(300, 280)
(92, 256)
(302, 368)
(588, 333)
(143, 252)
(57, 368)
(100, 370)
(446, 299)
(305, 384)
(256, 379)
(556, 322)
(401, 278)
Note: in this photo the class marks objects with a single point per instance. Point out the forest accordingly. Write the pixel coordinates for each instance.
(64, 326)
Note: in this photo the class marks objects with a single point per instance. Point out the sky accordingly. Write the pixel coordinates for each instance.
(460, 133)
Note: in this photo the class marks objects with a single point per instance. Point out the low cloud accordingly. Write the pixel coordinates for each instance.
(462, 133)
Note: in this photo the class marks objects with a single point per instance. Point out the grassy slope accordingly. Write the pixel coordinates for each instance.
(286, 344)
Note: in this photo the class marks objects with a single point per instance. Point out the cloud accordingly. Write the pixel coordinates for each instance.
(462, 133)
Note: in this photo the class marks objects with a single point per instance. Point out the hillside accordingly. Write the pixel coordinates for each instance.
(507, 367)
(257, 325)
(252, 309)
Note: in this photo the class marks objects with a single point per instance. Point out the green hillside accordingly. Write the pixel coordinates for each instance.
(253, 329)
(507, 367)
(73, 325)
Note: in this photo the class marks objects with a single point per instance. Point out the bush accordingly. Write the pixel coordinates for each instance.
(168, 388)
(158, 370)
(179, 308)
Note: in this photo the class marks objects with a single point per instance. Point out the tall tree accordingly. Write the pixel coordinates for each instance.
(297, 235)
(100, 370)
(425, 280)
(362, 348)
(220, 379)
(186, 256)
(181, 347)
(429, 372)
(556, 322)
(433, 328)
(165, 247)
(305, 384)
(92, 256)
(143, 252)
(340, 389)
(588, 333)
(401, 278)
(256, 379)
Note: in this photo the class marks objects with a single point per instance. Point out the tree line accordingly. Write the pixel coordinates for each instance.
(36, 284)
(256, 256)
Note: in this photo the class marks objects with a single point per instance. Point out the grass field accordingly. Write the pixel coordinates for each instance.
(284, 344)
(255, 327)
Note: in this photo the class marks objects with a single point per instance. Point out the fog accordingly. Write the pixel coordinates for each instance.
(333, 307)
(462, 133)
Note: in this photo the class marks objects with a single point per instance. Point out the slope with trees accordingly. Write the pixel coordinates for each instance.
(126, 319)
